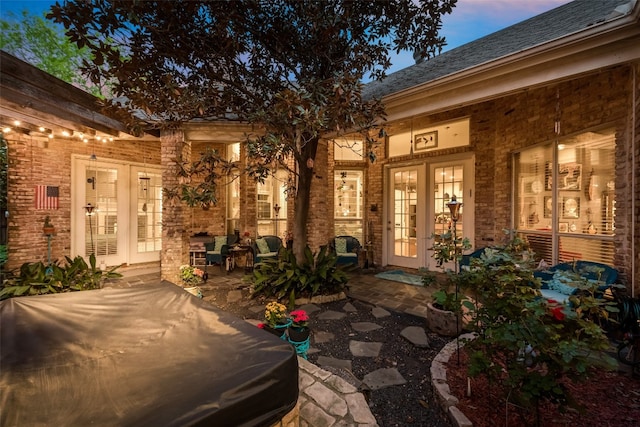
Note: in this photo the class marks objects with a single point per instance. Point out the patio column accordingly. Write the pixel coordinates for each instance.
(175, 214)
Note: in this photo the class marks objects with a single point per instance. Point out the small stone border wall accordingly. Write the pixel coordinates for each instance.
(440, 385)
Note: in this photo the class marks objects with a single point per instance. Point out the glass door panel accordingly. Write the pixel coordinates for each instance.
(403, 224)
(147, 202)
(447, 180)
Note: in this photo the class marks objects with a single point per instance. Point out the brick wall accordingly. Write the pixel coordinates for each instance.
(175, 214)
(514, 122)
(211, 220)
(37, 161)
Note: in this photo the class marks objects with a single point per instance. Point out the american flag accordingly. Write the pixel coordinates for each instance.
(47, 197)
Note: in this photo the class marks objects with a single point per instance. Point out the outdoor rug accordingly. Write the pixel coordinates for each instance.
(401, 276)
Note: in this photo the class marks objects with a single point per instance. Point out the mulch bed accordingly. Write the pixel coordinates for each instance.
(607, 398)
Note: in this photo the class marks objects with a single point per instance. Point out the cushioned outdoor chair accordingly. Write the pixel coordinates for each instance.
(266, 247)
(465, 261)
(554, 285)
(347, 249)
(218, 249)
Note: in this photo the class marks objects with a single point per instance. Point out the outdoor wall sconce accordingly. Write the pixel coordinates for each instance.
(89, 208)
(276, 210)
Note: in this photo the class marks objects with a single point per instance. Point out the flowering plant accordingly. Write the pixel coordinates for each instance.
(556, 310)
(191, 275)
(275, 314)
(299, 318)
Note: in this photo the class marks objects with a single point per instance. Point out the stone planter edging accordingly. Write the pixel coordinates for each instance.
(440, 385)
(321, 299)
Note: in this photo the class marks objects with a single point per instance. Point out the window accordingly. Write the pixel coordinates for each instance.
(348, 149)
(272, 205)
(349, 203)
(419, 138)
(233, 190)
(565, 204)
(449, 182)
(149, 211)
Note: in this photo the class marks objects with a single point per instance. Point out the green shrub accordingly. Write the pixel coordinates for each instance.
(525, 342)
(283, 277)
(38, 278)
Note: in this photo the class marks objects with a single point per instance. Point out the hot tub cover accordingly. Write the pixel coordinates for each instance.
(148, 356)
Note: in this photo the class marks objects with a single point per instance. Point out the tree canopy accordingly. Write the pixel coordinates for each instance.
(294, 67)
(43, 44)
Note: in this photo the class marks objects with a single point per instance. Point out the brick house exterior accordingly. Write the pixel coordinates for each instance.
(570, 71)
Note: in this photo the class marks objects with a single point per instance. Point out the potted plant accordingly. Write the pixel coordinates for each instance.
(276, 320)
(444, 313)
(299, 329)
(192, 277)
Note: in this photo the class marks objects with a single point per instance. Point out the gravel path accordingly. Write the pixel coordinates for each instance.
(375, 345)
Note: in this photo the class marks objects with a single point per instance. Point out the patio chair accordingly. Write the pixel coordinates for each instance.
(347, 249)
(553, 286)
(266, 247)
(218, 250)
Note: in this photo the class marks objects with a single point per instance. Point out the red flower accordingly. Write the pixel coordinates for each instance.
(299, 316)
(261, 325)
(557, 313)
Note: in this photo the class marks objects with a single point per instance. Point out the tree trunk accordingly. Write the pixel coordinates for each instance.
(303, 199)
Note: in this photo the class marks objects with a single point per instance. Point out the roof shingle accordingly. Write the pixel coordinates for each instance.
(551, 25)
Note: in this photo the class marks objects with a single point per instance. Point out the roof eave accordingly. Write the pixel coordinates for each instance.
(613, 42)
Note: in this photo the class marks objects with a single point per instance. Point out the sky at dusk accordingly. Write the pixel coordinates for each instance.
(470, 19)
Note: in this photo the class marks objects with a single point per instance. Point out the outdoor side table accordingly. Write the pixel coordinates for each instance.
(239, 252)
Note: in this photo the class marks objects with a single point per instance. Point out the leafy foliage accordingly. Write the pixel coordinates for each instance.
(200, 179)
(446, 248)
(283, 277)
(43, 44)
(38, 278)
(293, 68)
(532, 340)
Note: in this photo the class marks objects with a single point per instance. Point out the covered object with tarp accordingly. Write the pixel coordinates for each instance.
(148, 356)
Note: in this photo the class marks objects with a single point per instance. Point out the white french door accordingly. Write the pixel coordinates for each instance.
(417, 208)
(448, 179)
(116, 212)
(405, 238)
(145, 204)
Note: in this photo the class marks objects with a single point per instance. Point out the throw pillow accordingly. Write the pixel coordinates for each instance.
(341, 245)
(561, 284)
(219, 242)
(263, 246)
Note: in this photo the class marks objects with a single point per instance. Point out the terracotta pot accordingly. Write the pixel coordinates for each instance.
(443, 322)
(299, 334)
